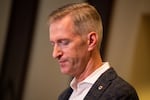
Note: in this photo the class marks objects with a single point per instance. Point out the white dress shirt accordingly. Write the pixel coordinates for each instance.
(82, 88)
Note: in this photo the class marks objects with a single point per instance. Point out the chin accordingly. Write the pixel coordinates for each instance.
(66, 72)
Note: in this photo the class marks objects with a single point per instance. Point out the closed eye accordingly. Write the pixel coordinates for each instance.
(64, 42)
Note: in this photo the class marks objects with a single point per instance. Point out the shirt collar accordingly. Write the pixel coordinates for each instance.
(91, 79)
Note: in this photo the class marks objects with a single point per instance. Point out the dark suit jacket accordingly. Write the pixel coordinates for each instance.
(109, 86)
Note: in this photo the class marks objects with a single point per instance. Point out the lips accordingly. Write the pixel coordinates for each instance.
(62, 62)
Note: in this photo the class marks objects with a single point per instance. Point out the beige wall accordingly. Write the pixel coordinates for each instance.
(44, 80)
(127, 36)
(141, 66)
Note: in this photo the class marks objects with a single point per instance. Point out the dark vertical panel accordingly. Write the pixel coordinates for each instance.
(105, 8)
(17, 49)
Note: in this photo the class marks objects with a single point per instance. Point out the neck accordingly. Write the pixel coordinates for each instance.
(94, 62)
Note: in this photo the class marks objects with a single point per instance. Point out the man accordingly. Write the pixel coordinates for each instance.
(76, 34)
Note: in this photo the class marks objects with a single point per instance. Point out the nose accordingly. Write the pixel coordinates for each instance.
(57, 52)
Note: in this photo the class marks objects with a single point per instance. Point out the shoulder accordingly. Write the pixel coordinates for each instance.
(118, 87)
(117, 82)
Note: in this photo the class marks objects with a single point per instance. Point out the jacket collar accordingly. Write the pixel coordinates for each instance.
(97, 89)
(101, 84)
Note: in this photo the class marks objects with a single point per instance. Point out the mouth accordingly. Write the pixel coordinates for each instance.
(62, 62)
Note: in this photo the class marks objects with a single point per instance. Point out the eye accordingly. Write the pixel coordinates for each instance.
(64, 42)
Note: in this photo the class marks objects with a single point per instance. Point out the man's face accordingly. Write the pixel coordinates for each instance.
(69, 48)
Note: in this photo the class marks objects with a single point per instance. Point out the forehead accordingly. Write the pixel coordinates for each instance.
(61, 28)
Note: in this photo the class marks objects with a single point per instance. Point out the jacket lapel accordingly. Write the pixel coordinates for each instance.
(101, 84)
(66, 94)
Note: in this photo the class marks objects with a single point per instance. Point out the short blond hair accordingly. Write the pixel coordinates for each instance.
(84, 16)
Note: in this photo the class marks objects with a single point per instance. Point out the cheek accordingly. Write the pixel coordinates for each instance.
(76, 60)
(76, 53)
(79, 56)
(73, 56)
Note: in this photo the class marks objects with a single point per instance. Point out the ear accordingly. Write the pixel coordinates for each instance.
(92, 40)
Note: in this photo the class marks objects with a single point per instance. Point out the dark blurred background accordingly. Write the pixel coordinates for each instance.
(27, 70)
